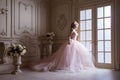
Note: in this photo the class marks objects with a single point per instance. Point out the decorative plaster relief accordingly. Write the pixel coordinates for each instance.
(3, 33)
(25, 14)
(24, 17)
(62, 22)
(5, 18)
(61, 16)
(30, 43)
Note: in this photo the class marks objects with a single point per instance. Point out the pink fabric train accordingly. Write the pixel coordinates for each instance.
(69, 57)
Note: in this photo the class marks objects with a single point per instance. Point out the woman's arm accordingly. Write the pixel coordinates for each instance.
(69, 40)
(69, 37)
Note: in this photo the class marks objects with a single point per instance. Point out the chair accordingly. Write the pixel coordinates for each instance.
(2, 50)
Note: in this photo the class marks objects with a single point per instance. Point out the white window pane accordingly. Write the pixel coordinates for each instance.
(89, 46)
(89, 14)
(100, 23)
(107, 11)
(108, 34)
(88, 35)
(82, 15)
(100, 57)
(100, 46)
(82, 35)
(107, 22)
(82, 25)
(99, 12)
(100, 35)
(107, 57)
(88, 24)
(107, 45)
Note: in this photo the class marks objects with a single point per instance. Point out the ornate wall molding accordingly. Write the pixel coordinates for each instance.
(25, 17)
(61, 19)
(32, 46)
(62, 22)
(19, 25)
(5, 19)
(25, 12)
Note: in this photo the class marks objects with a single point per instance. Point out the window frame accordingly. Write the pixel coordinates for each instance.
(94, 36)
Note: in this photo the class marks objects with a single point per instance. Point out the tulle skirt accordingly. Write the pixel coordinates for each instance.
(69, 57)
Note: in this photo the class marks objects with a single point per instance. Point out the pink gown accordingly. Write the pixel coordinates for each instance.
(69, 57)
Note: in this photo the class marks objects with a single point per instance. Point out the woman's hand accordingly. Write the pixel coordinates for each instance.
(69, 42)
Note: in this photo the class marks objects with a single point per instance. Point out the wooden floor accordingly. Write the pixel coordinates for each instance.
(99, 74)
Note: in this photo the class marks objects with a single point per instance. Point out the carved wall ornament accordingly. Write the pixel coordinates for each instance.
(28, 39)
(24, 17)
(3, 11)
(25, 4)
(3, 33)
(62, 22)
(30, 43)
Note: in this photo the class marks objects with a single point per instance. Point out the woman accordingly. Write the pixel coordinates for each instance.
(71, 56)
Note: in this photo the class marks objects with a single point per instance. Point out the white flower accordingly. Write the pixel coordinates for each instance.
(14, 46)
(50, 34)
(20, 47)
(17, 49)
(23, 52)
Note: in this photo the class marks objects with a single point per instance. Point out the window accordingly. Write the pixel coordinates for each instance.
(86, 28)
(104, 34)
(101, 37)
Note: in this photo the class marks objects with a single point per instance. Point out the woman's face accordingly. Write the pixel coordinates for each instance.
(76, 25)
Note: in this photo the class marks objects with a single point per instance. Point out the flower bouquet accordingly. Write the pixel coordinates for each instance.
(50, 35)
(17, 49)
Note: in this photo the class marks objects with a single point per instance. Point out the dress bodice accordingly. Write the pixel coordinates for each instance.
(74, 35)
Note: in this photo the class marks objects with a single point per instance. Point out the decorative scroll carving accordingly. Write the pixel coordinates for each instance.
(30, 43)
(25, 20)
(5, 15)
(62, 22)
(3, 33)
(24, 17)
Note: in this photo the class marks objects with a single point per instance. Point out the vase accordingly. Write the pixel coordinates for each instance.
(17, 62)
